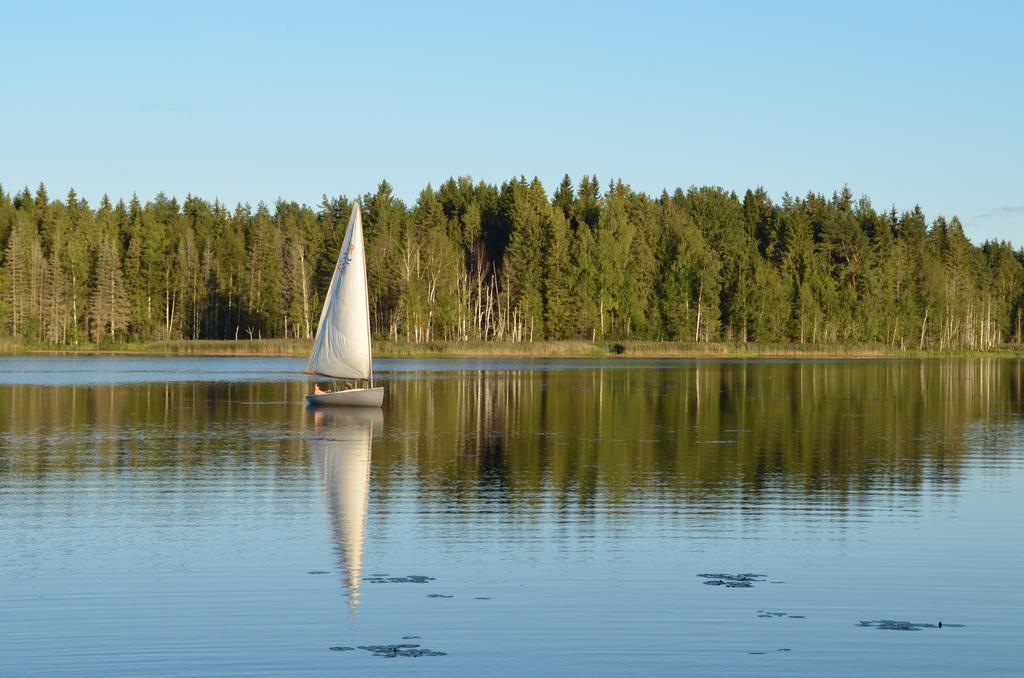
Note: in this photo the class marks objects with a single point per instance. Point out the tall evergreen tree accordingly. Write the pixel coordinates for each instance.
(108, 305)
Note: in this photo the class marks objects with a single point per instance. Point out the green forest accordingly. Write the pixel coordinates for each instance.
(479, 262)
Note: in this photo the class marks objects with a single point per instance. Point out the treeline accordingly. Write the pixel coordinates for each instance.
(479, 262)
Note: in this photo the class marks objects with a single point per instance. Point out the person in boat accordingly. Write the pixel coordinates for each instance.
(317, 390)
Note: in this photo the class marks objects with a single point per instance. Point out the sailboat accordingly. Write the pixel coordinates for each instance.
(341, 349)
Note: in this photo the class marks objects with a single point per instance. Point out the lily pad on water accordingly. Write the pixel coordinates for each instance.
(767, 614)
(410, 579)
(401, 650)
(743, 580)
(893, 625)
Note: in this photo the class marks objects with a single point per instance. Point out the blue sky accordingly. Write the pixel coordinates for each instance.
(915, 103)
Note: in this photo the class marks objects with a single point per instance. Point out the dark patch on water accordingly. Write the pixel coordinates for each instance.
(340, 648)
(483, 598)
(438, 595)
(410, 637)
(893, 625)
(767, 614)
(744, 580)
(318, 572)
(401, 650)
(411, 579)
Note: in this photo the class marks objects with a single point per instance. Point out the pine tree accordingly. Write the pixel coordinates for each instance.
(565, 197)
(524, 260)
(613, 240)
(584, 277)
(639, 303)
(560, 316)
(109, 303)
(55, 307)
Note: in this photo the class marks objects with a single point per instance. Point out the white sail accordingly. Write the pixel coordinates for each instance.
(341, 348)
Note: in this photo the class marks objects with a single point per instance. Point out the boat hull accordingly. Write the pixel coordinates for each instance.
(353, 397)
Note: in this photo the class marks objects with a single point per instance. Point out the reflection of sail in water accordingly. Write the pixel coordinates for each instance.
(342, 448)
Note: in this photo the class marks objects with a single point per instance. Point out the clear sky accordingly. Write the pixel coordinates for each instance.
(905, 102)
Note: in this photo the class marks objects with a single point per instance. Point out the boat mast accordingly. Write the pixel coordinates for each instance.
(366, 289)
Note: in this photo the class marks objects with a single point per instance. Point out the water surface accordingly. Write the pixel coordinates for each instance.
(163, 516)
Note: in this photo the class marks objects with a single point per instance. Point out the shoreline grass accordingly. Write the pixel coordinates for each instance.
(625, 349)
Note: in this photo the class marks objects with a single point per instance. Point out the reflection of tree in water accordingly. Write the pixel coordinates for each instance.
(827, 431)
(493, 474)
(698, 431)
(152, 425)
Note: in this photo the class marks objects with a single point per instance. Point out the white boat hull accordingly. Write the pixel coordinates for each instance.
(353, 397)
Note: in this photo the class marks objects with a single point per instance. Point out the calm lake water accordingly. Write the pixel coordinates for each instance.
(180, 517)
